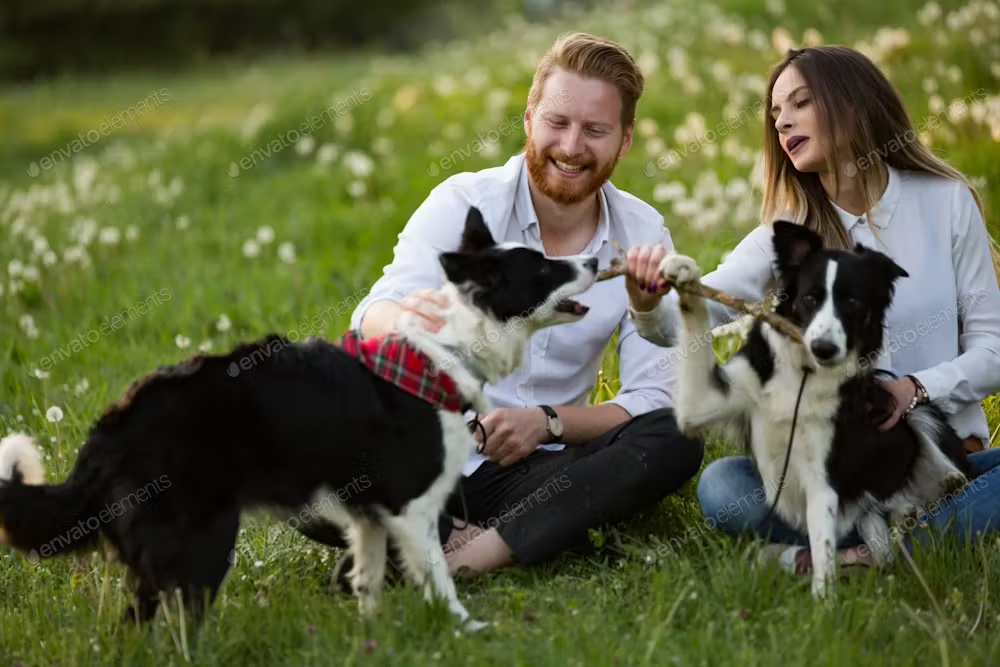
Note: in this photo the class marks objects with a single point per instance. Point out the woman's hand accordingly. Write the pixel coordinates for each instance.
(903, 390)
(643, 283)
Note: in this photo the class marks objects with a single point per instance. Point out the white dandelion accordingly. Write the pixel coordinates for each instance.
(54, 414)
(27, 323)
(183, 222)
(286, 252)
(224, 323)
(265, 235)
(250, 248)
(81, 387)
(356, 189)
(131, 233)
(109, 236)
(305, 145)
(182, 341)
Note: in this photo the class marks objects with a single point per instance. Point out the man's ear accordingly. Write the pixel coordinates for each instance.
(793, 243)
(476, 237)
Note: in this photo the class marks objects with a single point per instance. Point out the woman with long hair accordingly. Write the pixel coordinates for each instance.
(842, 157)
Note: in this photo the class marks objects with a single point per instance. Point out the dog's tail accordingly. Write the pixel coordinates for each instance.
(42, 520)
(938, 437)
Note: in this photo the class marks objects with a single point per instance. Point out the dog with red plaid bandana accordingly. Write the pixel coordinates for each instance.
(367, 435)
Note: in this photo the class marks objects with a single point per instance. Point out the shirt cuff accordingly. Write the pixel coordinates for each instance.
(659, 325)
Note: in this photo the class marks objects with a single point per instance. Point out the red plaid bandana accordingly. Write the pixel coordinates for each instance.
(391, 358)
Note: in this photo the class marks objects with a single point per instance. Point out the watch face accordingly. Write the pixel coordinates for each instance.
(556, 426)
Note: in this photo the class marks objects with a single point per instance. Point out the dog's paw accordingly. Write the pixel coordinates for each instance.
(952, 483)
(679, 269)
(472, 625)
(903, 519)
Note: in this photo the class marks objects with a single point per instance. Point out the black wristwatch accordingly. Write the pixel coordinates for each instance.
(553, 425)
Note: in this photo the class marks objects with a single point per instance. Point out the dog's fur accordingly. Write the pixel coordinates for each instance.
(307, 429)
(843, 472)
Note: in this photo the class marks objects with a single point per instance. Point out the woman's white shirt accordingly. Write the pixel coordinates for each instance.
(944, 323)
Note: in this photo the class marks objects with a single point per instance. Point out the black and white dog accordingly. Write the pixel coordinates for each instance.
(843, 473)
(299, 429)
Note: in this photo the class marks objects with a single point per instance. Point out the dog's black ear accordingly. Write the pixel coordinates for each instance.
(476, 236)
(456, 266)
(885, 265)
(793, 243)
(463, 267)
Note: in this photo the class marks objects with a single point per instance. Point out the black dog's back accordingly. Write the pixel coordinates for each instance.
(864, 459)
(300, 427)
(300, 416)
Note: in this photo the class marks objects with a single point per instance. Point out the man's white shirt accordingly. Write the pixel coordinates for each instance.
(561, 362)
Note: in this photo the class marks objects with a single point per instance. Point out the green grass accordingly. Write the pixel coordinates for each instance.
(660, 589)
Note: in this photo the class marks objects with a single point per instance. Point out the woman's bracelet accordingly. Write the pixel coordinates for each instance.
(919, 397)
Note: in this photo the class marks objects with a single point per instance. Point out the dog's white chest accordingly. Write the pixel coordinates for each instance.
(814, 430)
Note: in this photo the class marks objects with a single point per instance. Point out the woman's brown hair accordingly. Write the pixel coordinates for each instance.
(864, 116)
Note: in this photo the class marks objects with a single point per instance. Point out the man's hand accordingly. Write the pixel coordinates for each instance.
(643, 283)
(426, 305)
(512, 433)
(903, 390)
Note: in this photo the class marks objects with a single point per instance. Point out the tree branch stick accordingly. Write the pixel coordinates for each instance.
(619, 267)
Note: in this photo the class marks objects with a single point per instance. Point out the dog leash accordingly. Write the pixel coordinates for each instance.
(806, 372)
(472, 423)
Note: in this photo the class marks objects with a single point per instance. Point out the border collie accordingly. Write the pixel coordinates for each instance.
(842, 473)
(300, 425)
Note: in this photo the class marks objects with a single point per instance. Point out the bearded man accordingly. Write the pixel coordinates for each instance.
(553, 466)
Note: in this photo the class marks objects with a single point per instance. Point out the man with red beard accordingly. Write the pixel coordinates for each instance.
(553, 466)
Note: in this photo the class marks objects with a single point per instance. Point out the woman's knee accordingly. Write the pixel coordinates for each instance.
(731, 494)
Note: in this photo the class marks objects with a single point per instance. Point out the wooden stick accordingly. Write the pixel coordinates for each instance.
(619, 267)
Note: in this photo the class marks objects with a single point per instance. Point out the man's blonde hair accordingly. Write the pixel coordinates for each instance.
(592, 57)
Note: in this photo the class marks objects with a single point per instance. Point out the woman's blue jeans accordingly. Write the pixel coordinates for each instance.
(732, 499)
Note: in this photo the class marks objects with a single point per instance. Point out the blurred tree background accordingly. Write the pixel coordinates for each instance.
(55, 38)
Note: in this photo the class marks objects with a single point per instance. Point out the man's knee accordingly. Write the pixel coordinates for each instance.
(668, 455)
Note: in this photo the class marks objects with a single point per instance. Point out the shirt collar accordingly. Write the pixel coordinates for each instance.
(527, 217)
(883, 209)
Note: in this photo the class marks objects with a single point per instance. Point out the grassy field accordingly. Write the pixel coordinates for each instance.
(146, 218)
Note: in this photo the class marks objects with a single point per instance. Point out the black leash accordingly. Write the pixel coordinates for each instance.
(788, 455)
(473, 423)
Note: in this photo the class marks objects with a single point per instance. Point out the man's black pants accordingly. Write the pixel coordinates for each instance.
(546, 502)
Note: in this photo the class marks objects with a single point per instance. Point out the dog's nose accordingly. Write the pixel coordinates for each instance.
(823, 350)
(591, 264)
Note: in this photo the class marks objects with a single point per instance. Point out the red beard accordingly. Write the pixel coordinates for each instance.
(565, 192)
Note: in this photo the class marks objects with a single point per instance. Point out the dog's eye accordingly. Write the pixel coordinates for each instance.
(809, 301)
(852, 303)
